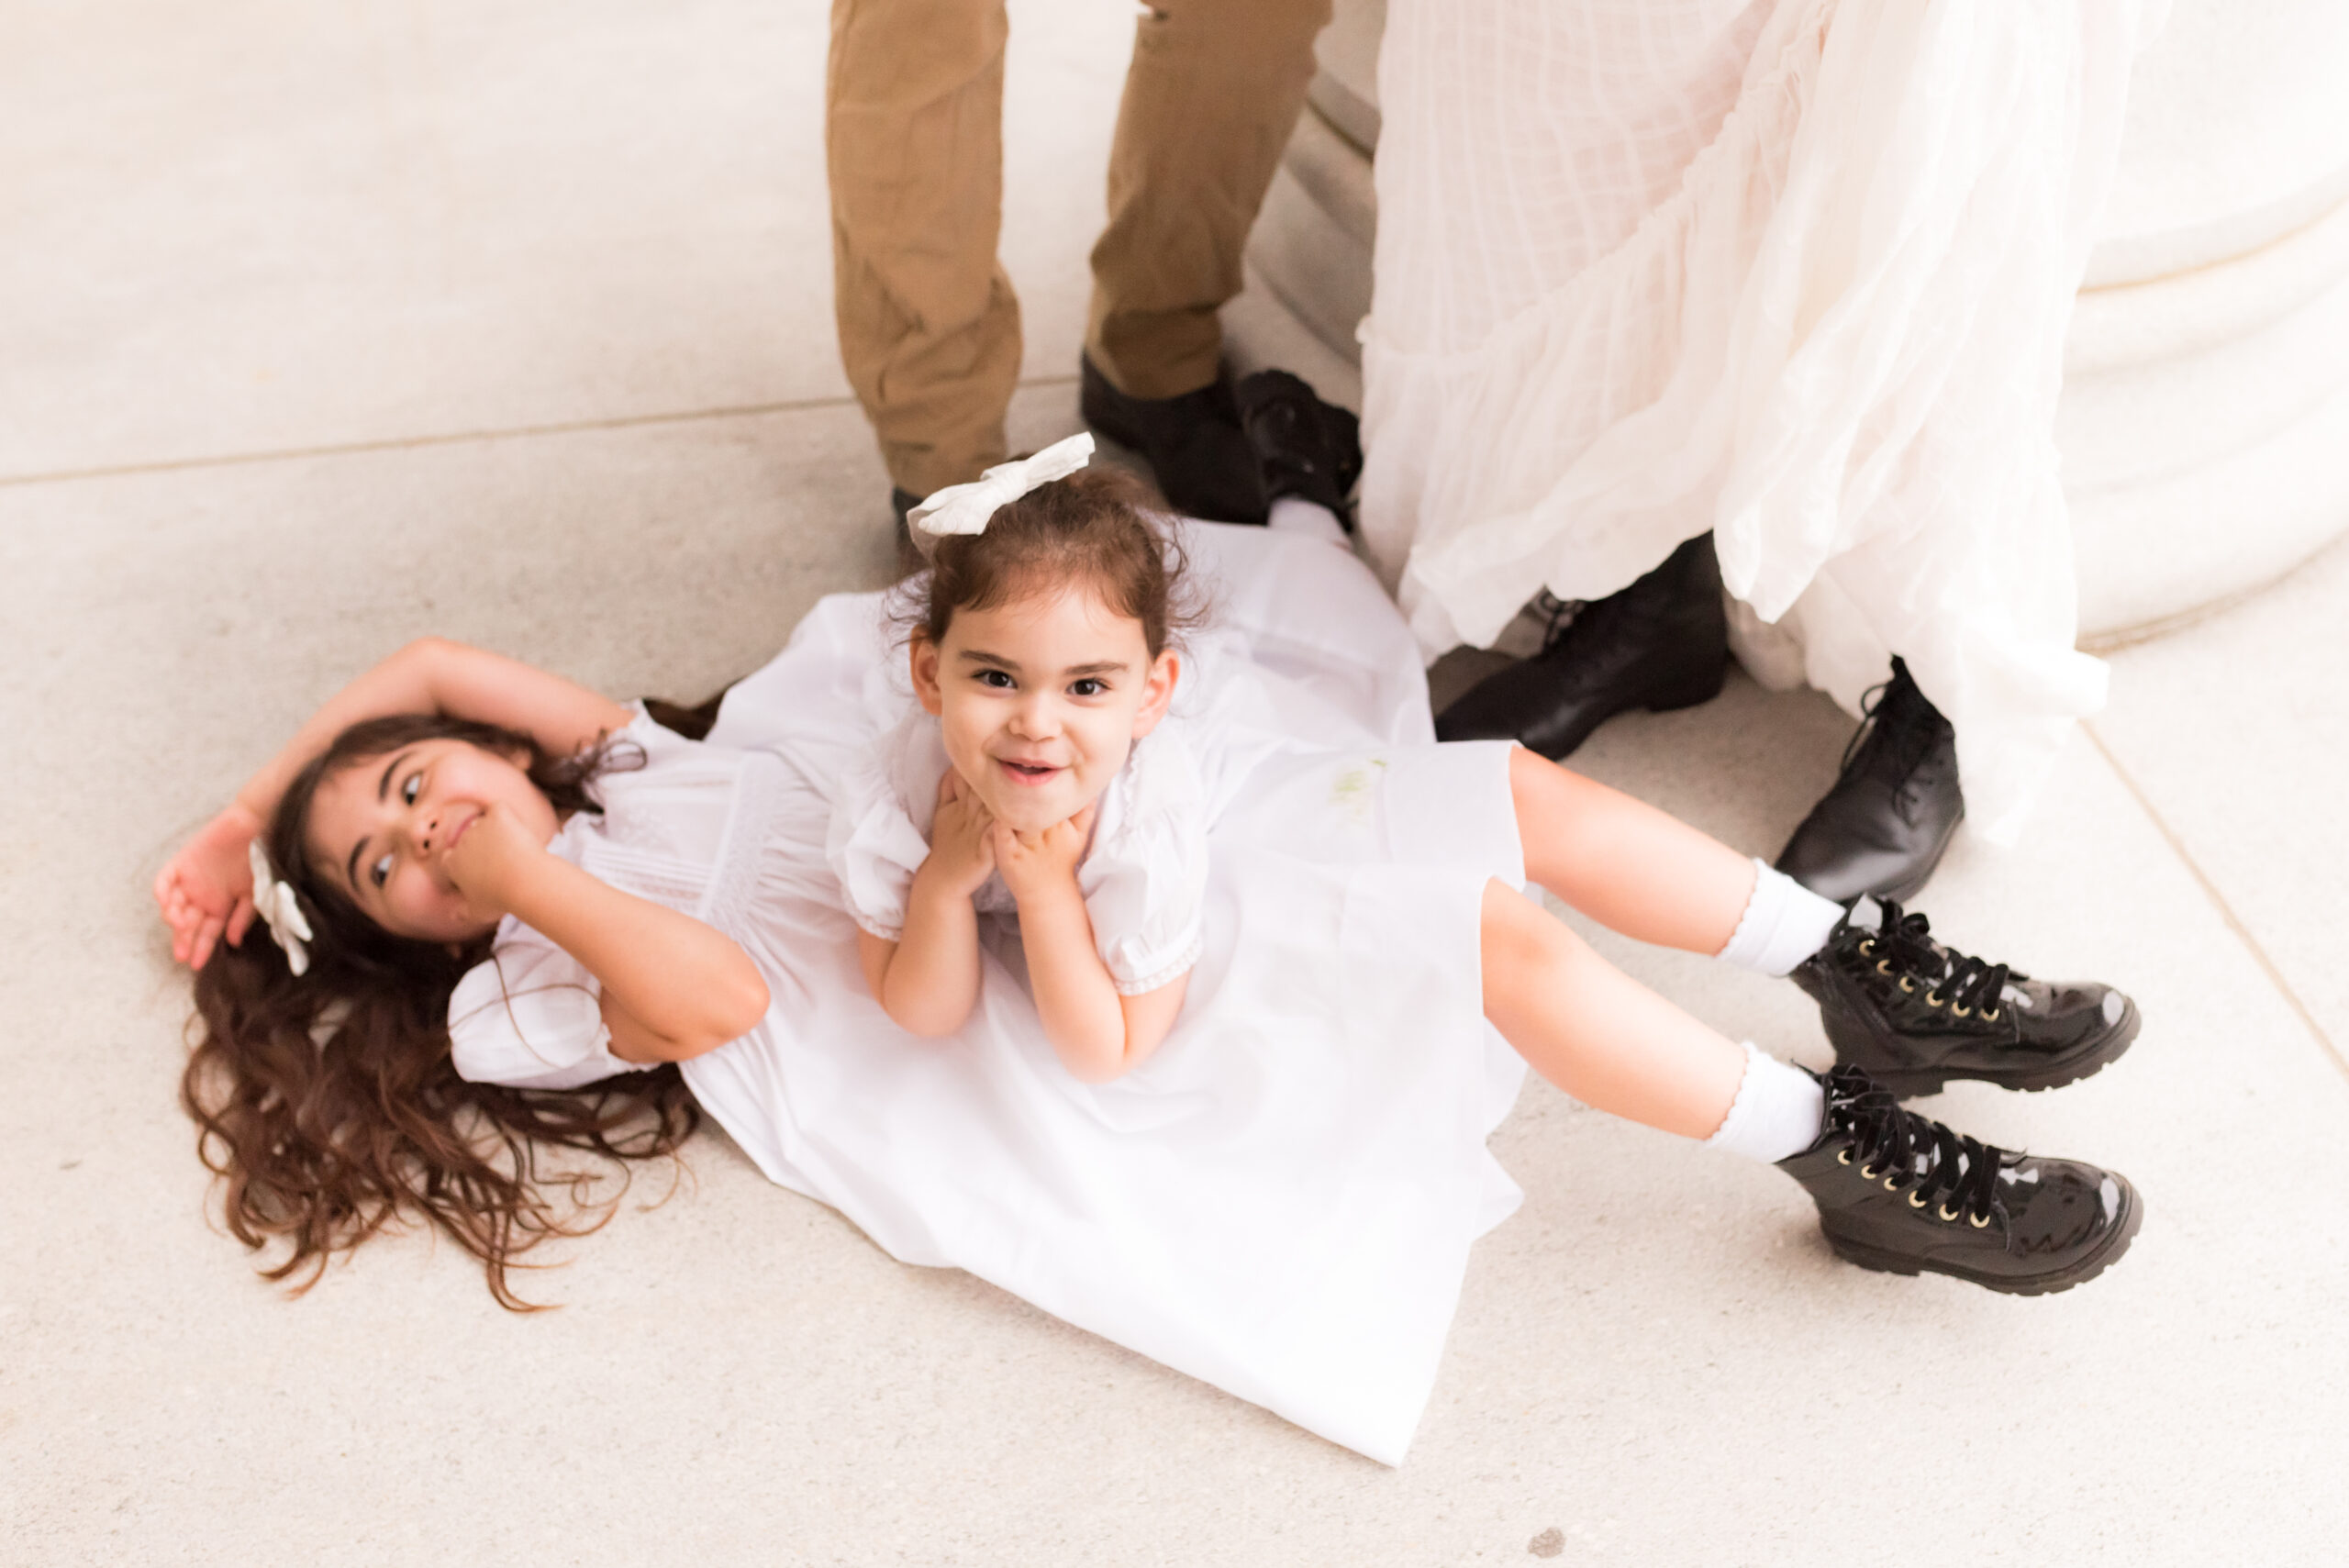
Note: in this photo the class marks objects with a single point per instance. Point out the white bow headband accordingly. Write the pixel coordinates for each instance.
(274, 902)
(965, 508)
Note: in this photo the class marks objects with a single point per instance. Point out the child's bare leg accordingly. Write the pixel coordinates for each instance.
(1894, 1190)
(1596, 1032)
(1624, 863)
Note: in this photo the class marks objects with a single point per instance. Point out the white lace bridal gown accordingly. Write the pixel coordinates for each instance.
(1794, 270)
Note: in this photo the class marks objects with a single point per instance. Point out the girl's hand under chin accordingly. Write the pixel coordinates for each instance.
(489, 860)
(206, 891)
(962, 844)
(1038, 862)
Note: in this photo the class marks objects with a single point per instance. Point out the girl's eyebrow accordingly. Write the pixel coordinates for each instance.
(980, 656)
(1100, 667)
(384, 784)
(382, 788)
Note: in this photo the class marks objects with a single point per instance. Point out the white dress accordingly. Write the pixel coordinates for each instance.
(1280, 1201)
(1794, 270)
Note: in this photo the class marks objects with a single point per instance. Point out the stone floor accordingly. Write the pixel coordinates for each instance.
(327, 327)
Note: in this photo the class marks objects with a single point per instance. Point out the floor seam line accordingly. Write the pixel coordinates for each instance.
(2219, 901)
(457, 438)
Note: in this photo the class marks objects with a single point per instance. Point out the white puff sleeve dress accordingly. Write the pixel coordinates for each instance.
(1280, 1201)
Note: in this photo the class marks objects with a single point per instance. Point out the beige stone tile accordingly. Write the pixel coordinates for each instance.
(2237, 731)
(262, 226)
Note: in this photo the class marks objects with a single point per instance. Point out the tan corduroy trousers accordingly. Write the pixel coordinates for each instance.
(929, 326)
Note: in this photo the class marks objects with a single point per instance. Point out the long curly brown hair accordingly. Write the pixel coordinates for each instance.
(327, 1102)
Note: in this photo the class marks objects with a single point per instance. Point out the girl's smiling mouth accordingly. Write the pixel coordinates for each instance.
(1028, 772)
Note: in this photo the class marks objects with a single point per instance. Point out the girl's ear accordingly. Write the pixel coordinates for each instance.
(923, 655)
(1157, 691)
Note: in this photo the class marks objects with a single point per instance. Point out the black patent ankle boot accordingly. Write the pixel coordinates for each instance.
(1914, 1014)
(1903, 1194)
(1885, 825)
(1304, 447)
(1659, 644)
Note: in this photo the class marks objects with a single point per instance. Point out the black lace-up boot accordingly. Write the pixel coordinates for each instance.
(1901, 1194)
(1304, 447)
(1661, 643)
(1914, 1014)
(1896, 803)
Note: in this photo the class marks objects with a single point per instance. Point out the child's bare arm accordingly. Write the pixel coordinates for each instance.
(433, 675)
(928, 980)
(671, 986)
(1098, 1034)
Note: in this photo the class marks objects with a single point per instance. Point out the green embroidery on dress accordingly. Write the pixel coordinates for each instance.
(1351, 795)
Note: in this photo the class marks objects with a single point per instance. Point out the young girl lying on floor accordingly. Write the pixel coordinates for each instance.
(1162, 980)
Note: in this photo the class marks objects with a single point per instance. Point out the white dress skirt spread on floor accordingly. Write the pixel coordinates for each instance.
(1281, 1200)
(1794, 270)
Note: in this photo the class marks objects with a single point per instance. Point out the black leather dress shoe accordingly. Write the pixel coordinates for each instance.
(1885, 824)
(1903, 1194)
(1661, 643)
(1915, 1014)
(1304, 447)
(1194, 444)
(902, 502)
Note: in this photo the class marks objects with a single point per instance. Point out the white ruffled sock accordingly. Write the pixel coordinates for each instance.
(1294, 514)
(1779, 1110)
(1784, 923)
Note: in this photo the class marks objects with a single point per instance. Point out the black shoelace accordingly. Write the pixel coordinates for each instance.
(1956, 1176)
(1904, 952)
(1905, 732)
(1556, 615)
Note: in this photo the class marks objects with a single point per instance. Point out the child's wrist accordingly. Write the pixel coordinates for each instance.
(934, 888)
(1048, 893)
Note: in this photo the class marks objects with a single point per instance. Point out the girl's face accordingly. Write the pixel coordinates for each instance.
(1040, 700)
(381, 829)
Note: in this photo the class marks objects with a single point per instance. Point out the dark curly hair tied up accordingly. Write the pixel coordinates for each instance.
(1094, 528)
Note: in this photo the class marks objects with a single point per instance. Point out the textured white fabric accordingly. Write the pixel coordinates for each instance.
(1144, 876)
(1794, 270)
(1784, 923)
(1779, 1110)
(1281, 1200)
(1297, 515)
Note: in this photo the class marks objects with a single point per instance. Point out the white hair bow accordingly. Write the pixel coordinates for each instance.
(274, 902)
(965, 508)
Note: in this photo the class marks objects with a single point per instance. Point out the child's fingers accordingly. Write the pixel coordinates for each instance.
(241, 920)
(206, 934)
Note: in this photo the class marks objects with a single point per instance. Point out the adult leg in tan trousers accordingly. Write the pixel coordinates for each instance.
(928, 325)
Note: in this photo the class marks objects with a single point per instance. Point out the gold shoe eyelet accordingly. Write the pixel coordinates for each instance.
(1867, 946)
(1892, 1183)
(1907, 983)
(1933, 999)
(1948, 1214)
(1916, 1200)
(1884, 966)
(1990, 1014)
(1843, 1156)
(1869, 1172)
(1979, 1221)
(1960, 1012)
